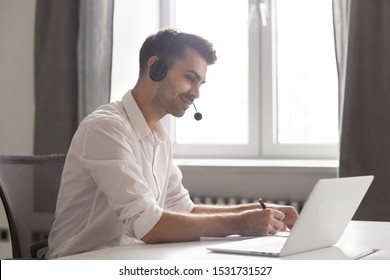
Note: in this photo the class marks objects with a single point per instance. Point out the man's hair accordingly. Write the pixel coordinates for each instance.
(156, 44)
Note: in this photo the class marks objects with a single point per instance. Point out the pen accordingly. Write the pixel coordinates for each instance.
(365, 254)
(262, 203)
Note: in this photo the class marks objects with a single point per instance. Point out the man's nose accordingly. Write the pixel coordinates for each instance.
(195, 92)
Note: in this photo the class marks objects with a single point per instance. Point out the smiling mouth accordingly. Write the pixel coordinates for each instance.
(187, 100)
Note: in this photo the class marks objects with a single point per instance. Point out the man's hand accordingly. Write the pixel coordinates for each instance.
(290, 215)
(261, 222)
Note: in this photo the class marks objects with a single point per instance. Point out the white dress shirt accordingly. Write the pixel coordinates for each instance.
(118, 177)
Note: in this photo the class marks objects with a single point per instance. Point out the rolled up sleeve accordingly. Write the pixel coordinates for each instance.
(119, 175)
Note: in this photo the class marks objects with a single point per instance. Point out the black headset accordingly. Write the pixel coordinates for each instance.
(159, 69)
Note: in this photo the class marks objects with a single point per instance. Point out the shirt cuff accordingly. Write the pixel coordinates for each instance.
(147, 219)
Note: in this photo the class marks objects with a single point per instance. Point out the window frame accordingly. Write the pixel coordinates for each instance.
(262, 100)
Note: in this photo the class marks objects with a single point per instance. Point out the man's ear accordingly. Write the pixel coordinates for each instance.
(157, 69)
(152, 60)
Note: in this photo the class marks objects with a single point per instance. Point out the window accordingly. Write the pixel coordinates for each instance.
(301, 97)
(273, 91)
(224, 99)
(306, 73)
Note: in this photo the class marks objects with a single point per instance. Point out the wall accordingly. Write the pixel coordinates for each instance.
(16, 80)
(290, 180)
(16, 76)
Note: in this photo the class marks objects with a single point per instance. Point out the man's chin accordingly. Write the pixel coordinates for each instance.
(178, 114)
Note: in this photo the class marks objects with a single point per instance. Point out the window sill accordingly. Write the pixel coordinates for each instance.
(258, 163)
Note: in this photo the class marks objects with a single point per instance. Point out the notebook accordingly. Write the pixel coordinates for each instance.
(322, 220)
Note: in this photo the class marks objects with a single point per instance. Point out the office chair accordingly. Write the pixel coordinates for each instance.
(28, 189)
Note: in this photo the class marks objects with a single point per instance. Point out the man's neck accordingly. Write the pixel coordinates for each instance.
(143, 95)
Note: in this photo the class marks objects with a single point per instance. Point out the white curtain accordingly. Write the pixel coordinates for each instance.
(94, 55)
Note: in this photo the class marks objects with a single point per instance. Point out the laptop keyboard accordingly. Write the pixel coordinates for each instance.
(275, 245)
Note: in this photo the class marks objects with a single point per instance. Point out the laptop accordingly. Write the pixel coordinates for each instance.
(322, 220)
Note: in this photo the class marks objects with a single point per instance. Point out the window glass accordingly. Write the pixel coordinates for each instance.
(306, 80)
(223, 98)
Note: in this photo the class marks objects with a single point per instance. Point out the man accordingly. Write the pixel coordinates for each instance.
(120, 184)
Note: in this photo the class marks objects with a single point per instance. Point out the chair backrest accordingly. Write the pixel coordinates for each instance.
(29, 188)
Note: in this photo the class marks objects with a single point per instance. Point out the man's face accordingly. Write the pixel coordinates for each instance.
(181, 85)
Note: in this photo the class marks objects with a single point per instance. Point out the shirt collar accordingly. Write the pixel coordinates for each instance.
(138, 121)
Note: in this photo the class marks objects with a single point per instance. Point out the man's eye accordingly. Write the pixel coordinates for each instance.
(190, 78)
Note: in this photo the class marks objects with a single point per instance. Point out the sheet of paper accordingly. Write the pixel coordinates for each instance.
(240, 237)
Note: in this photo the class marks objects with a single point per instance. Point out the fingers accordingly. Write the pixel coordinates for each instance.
(274, 228)
(291, 215)
(279, 215)
(262, 222)
(275, 220)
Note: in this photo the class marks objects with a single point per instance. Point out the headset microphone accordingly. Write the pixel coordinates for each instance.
(197, 116)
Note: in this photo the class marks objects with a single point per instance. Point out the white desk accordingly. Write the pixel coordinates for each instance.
(357, 238)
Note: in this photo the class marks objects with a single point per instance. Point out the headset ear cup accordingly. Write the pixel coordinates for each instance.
(158, 71)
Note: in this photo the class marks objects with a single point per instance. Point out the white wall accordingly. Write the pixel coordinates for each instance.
(272, 179)
(16, 80)
(16, 76)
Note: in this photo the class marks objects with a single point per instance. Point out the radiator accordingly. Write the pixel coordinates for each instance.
(233, 201)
